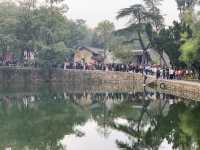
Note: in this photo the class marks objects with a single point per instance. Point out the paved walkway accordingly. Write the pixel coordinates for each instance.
(191, 83)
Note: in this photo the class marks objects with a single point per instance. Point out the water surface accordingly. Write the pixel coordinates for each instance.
(49, 118)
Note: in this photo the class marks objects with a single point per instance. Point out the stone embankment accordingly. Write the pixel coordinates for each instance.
(91, 79)
(184, 89)
(21, 75)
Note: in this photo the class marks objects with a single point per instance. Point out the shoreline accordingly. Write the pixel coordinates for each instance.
(91, 79)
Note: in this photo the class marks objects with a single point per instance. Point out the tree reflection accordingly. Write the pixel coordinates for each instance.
(37, 122)
(40, 121)
(178, 123)
(121, 106)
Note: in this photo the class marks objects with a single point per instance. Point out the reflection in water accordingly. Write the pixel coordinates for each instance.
(54, 120)
(37, 122)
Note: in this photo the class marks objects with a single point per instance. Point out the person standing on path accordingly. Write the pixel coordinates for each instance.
(145, 74)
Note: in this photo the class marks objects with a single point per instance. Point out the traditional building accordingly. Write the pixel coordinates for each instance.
(89, 55)
(92, 55)
(153, 57)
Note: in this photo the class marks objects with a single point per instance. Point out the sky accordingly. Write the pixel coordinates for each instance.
(94, 11)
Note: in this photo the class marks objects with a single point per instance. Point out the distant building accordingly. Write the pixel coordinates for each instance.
(153, 57)
(92, 55)
(89, 55)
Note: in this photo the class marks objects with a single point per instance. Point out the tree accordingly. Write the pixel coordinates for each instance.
(120, 50)
(24, 27)
(141, 18)
(77, 34)
(8, 21)
(185, 5)
(103, 34)
(190, 49)
(189, 45)
(43, 30)
(169, 41)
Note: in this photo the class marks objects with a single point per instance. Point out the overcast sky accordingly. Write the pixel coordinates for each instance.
(94, 11)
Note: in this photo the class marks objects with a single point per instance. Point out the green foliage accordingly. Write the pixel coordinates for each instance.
(190, 49)
(120, 50)
(77, 34)
(8, 21)
(103, 34)
(141, 18)
(169, 40)
(50, 58)
(30, 28)
(189, 124)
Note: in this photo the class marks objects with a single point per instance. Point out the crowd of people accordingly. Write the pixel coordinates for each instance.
(170, 73)
(105, 67)
(154, 70)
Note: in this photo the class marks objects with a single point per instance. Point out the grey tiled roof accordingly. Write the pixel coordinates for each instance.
(93, 50)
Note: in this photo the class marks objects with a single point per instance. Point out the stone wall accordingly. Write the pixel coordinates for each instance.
(89, 80)
(184, 89)
(25, 78)
(95, 76)
(11, 75)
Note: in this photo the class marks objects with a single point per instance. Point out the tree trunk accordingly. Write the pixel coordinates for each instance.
(198, 73)
(145, 53)
(196, 67)
(162, 59)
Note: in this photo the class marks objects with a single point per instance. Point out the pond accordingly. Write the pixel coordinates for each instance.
(46, 118)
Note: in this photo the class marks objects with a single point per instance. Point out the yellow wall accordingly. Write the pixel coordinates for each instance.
(83, 54)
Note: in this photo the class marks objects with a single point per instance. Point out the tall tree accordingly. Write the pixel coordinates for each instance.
(8, 21)
(189, 46)
(141, 17)
(184, 5)
(169, 41)
(77, 34)
(190, 49)
(103, 34)
(24, 27)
